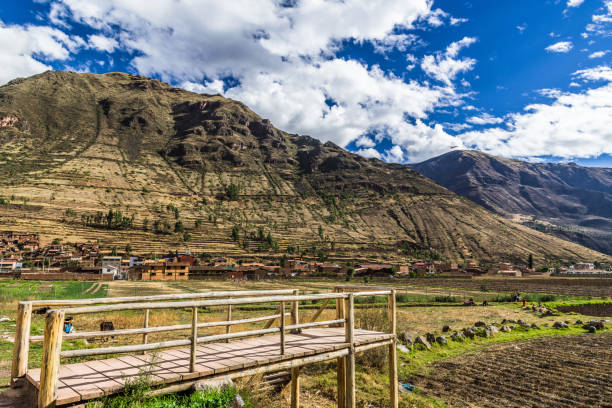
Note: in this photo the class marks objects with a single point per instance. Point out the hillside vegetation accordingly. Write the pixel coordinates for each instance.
(183, 169)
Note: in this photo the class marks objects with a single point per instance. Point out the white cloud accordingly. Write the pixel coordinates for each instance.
(283, 60)
(444, 66)
(456, 21)
(394, 154)
(369, 153)
(521, 27)
(598, 54)
(103, 43)
(560, 47)
(365, 141)
(22, 49)
(601, 22)
(574, 3)
(484, 119)
(572, 125)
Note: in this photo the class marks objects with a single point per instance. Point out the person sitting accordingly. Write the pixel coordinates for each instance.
(68, 328)
(485, 303)
(469, 302)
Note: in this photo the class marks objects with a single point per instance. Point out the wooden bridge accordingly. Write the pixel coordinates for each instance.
(176, 365)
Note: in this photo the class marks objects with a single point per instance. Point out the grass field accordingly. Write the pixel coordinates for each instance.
(421, 309)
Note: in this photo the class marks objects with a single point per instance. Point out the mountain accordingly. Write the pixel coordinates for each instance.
(567, 200)
(180, 169)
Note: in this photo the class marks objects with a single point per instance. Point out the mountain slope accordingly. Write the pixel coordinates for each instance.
(74, 144)
(568, 200)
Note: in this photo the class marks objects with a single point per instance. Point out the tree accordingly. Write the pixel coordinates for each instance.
(128, 249)
(320, 232)
(179, 227)
(232, 191)
(145, 224)
(114, 251)
(186, 236)
(530, 261)
(349, 273)
(235, 233)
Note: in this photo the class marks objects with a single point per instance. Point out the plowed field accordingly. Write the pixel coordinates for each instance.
(549, 372)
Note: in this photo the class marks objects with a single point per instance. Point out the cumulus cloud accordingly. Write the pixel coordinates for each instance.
(598, 54)
(23, 47)
(572, 125)
(560, 47)
(102, 43)
(484, 119)
(601, 22)
(574, 3)
(445, 66)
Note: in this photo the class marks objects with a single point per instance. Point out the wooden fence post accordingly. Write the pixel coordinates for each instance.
(393, 382)
(341, 361)
(21, 347)
(194, 339)
(228, 318)
(294, 311)
(282, 328)
(349, 331)
(295, 387)
(52, 346)
(145, 325)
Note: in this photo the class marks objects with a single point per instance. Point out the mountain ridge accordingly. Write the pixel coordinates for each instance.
(75, 144)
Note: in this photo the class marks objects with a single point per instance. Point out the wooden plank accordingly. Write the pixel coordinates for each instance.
(341, 361)
(194, 338)
(350, 359)
(295, 387)
(144, 326)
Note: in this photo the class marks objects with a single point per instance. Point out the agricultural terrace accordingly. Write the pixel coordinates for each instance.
(505, 368)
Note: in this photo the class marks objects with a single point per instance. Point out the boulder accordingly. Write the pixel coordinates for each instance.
(446, 329)
(480, 324)
(506, 329)
(441, 340)
(534, 326)
(403, 348)
(404, 338)
(598, 324)
(493, 329)
(469, 333)
(237, 402)
(578, 321)
(422, 340)
(560, 325)
(458, 336)
(431, 338)
(521, 322)
(590, 329)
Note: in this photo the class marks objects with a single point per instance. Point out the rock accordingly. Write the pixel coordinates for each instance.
(506, 329)
(534, 326)
(403, 348)
(511, 321)
(441, 340)
(469, 333)
(446, 329)
(524, 324)
(578, 322)
(480, 324)
(493, 329)
(423, 341)
(431, 338)
(490, 331)
(458, 336)
(4, 319)
(560, 325)
(590, 329)
(214, 384)
(504, 321)
(521, 322)
(404, 338)
(545, 325)
(598, 324)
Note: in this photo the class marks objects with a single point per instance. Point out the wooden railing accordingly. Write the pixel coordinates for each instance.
(345, 305)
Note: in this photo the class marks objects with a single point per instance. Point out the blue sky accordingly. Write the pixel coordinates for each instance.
(401, 80)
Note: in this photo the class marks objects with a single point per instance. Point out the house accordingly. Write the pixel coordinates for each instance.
(160, 270)
(112, 261)
(584, 266)
(8, 264)
(109, 270)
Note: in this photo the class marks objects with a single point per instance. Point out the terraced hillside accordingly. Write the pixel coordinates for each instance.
(203, 171)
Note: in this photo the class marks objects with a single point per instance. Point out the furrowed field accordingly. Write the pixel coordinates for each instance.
(539, 367)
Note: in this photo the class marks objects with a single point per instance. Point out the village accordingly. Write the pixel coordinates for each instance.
(23, 257)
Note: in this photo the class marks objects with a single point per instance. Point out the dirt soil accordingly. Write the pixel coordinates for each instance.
(560, 371)
(603, 309)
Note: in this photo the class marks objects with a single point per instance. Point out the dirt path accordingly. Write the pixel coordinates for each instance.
(560, 371)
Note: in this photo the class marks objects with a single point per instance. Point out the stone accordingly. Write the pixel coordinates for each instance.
(404, 338)
(480, 324)
(490, 331)
(237, 402)
(4, 319)
(403, 348)
(458, 336)
(214, 384)
(560, 325)
(534, 326)
(446, 329)
(441, 340)
(423, 341)
(431, 338)
(521, 322)
(506, 329)
(598, 324)
(493, 329)
(590, 329)
(469, 333)
(578, 321)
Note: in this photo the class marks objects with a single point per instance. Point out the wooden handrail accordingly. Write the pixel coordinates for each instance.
(154, 329)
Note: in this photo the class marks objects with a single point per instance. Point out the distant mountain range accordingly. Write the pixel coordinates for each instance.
(180, 169)
(569, 201)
